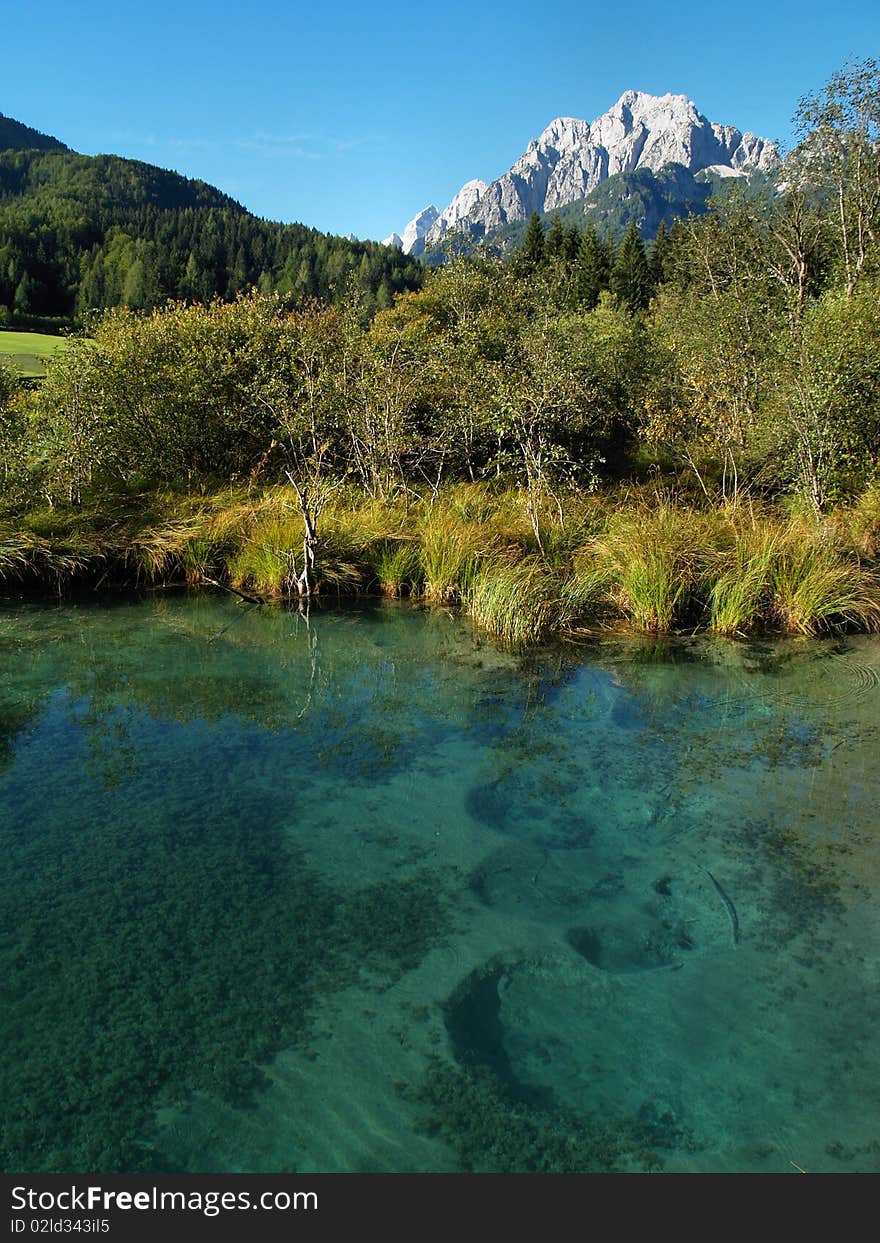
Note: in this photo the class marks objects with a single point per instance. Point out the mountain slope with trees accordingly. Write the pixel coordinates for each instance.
(79, 233)
(17, 137)
(642, 197)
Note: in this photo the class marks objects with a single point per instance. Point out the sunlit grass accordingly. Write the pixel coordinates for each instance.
(657, 555)
(741, 592)
(397, 565)
(28, 352)
(514, 600)
(450, 550)
(816, 588)
(641, 557)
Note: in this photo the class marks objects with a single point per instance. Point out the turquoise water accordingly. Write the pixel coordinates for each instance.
(365, 893)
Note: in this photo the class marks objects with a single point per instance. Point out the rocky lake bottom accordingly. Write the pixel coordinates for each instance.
(362, 892)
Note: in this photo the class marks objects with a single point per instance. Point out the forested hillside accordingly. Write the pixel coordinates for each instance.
(82, 232)
(17, 137)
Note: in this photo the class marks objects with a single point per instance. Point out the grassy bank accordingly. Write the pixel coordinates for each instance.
(639, 559)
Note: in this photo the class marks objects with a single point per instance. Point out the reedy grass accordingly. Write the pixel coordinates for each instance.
(657, 557)
(795, 576)
(15, 550)
(397, 567)
(265, 559)
(24, 555)
(816, 588)
(645, 557)
(584, 595)
(859, 523)
(450, 552)
(514, 600)
(741, 593)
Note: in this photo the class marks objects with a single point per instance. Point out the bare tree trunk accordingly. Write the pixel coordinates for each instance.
(533, 486)
(844, 237)
(310, 511)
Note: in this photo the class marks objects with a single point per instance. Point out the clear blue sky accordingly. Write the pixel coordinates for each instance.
(352, 117)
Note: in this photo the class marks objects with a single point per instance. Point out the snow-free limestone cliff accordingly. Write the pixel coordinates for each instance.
(571, 157)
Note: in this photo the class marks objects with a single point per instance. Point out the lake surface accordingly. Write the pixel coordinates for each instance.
(367, 894)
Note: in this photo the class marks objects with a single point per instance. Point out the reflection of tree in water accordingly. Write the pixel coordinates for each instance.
(165, 939)
(14, 718)
(22, 691)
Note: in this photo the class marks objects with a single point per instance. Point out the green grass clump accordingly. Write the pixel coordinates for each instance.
(792, 575)
(816, 588)
(583, 598)
(656, 556)
(860, 522)
(158, 552)
(15, 548)
(397, 567)
(198, 557)
(450, 550)
(266, 560)
(516, 601)
(741, 592)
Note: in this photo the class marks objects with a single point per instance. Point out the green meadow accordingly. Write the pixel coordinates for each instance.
(28, 352)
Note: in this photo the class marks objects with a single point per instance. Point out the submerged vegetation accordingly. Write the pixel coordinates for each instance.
(491, 1132)
(669, 440)
(129, 993)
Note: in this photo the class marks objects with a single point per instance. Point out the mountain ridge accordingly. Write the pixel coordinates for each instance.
(571, 157)
(15, 136)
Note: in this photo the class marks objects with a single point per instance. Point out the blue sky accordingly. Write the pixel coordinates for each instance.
(352, 117)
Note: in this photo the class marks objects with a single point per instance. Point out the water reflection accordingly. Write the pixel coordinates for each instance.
(359, 891)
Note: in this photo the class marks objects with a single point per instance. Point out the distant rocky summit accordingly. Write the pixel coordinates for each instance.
(572, 157)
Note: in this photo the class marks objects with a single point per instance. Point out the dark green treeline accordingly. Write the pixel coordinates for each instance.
(80, 232)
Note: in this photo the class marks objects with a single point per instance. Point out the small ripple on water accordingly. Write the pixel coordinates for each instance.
(862, 680)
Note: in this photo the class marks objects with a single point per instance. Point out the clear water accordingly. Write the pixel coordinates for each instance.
(368, 894)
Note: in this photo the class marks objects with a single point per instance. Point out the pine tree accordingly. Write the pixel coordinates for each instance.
(134, 285)
(660, 256)
(189, 286)
(22, 302)
(572, 245)
(555, 243)
(630, 277)
(531, 253)
(590, 271)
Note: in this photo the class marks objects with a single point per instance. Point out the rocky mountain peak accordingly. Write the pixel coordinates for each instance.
(572, 156)
(564, 134)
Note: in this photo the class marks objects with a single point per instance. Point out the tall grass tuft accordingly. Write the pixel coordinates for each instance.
(741, 593)
(15, 550)
(583, 598)
(450, 551)
(860, 523)
(517, 601)
(816, 588)
(657, 556)
(265, 560)
(397, 567)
